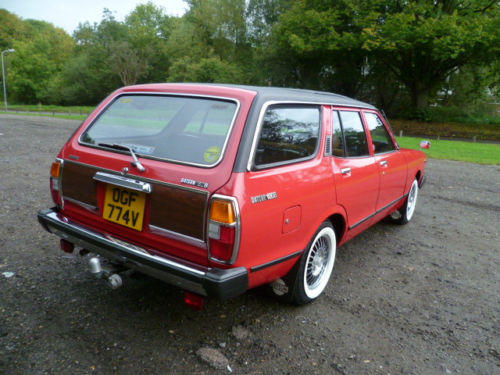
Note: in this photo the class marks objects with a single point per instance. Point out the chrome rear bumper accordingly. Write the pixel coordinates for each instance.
(213, 282)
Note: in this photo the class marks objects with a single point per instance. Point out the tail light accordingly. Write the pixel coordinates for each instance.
(55, 182)
(223, 229)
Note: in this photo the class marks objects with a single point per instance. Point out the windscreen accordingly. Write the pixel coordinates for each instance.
(183, 129)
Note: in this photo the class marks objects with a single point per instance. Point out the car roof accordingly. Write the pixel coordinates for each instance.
(269, 93)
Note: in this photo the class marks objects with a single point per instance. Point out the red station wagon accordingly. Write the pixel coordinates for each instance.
(221, 188)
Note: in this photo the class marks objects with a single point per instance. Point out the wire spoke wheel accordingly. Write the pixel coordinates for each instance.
(319, 262)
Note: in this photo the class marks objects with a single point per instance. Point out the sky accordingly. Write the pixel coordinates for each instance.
(67, 14)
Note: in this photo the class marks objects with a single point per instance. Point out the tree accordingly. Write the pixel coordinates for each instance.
(148, 29)
(37, 61)
(420, 42)
(423, 43)
(320, 47)
(128, 65)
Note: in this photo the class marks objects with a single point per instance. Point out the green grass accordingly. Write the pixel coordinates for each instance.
(80, 110)
(480, 153)
(68, 117)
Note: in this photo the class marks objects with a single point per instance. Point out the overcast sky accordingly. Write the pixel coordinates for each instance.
(69, 13)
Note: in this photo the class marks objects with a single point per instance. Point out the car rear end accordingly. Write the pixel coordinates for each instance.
(138, 184)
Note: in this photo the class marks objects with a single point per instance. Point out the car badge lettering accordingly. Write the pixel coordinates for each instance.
(264, 197)
(188, 181)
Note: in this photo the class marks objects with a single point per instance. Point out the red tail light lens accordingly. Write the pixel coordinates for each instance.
(55, 180)
(223, 229)
(222, 248)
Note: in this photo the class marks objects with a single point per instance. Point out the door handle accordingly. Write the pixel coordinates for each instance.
(383, 163)
(345, 170)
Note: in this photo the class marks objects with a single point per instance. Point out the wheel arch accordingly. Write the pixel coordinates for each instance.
(419, 176)
(339, 226)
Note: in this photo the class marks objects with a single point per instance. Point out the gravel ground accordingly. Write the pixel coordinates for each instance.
(417, 299)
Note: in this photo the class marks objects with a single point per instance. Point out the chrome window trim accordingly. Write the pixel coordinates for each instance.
(147, 93)
(60, 178)
(258, 129)
(237, 225)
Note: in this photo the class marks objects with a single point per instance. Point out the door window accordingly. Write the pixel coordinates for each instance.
(350, 137)
(382, 141)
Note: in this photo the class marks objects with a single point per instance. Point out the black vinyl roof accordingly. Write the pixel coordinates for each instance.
(300, 95)
(280, 94)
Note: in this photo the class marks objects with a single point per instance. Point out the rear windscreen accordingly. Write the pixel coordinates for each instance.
(189, 130)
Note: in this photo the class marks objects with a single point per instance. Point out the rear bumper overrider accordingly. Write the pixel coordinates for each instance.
(213, 282)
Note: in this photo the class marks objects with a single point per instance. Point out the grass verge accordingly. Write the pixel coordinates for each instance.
(65, 116)
(77, 110)
(480, 153)
(415, 128)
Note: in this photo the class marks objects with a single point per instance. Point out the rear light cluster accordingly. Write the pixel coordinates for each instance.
(223, 229)
(55, 182)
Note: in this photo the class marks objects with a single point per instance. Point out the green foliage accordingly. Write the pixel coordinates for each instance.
(36, 60)
(460, 130)
(211, 69)
(480, 153)
(432, 60)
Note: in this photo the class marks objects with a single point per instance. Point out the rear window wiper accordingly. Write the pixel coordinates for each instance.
(136, 163)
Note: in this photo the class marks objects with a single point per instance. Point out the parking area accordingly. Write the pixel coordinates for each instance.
(417, 299)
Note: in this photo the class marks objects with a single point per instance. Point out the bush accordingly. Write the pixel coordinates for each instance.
(487, 132)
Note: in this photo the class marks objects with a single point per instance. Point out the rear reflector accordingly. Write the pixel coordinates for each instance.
(194, 300)
(67, 246)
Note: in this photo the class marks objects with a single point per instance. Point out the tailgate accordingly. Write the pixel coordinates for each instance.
(173, 216)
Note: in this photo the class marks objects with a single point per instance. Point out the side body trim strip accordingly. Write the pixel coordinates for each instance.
(276, 261)
(377, 212)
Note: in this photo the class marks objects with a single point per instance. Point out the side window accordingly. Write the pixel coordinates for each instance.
(338, 137)
(380, 136)
(288, 133)
(354, 134)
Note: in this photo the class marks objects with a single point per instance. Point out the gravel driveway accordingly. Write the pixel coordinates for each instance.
(417, 299)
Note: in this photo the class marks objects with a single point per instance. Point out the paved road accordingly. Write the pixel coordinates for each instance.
(417, 299)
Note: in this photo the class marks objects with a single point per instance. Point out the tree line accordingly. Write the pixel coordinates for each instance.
(402, 55)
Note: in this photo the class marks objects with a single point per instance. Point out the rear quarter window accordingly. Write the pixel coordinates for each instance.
(289, 133)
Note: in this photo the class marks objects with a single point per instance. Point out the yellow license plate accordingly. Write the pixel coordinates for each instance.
(124, 207)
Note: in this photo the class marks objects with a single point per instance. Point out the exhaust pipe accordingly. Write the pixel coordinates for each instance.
(113, 280)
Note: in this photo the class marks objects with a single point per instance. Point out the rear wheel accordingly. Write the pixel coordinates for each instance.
(315, 267)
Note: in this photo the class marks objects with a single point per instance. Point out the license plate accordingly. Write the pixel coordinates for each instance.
(124, 207)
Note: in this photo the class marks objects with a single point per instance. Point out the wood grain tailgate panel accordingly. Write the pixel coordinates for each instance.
(78, 183)
(178, 210)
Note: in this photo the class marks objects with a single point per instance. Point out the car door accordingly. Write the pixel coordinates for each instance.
(355, 171)
(389, 160)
